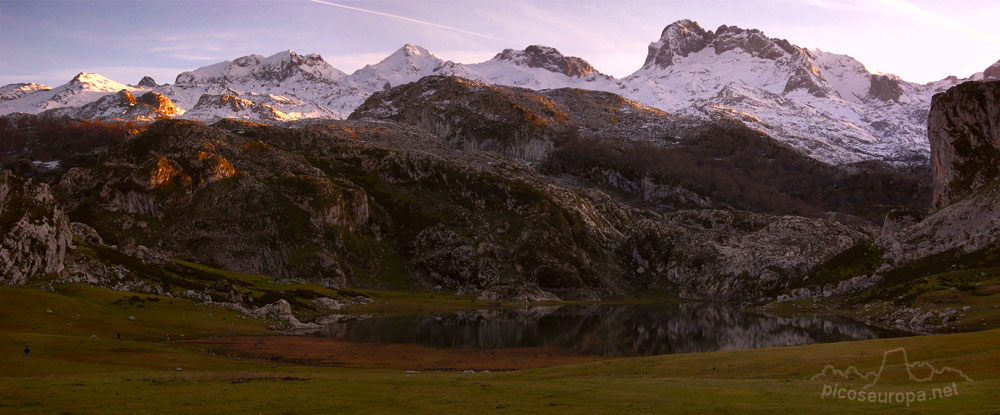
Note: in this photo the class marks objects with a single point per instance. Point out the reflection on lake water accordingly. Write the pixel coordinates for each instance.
(613, 330)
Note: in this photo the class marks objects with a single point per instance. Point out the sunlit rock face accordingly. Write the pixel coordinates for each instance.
(121, 106)
(964, 130)
(34, 231)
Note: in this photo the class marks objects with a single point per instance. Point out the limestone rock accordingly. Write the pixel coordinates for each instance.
(964, 132)
(34, 231)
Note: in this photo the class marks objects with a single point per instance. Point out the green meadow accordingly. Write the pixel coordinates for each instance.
(78, 366)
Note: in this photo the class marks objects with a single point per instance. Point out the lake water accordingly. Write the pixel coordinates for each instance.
(610, 330)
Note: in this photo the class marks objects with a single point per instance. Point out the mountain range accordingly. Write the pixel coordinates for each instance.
(825, 105)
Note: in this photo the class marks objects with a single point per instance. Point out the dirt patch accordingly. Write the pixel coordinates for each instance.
(322, 351)
(986, 290)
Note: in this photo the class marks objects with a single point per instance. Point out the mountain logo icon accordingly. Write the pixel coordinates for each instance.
(917, 371)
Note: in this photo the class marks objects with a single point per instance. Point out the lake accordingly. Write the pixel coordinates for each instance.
(609, 330)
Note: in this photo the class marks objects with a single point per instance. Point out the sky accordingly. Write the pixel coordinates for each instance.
(51, 41)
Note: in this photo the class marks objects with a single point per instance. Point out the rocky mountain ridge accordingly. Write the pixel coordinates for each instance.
(384, 204)
(410, 194)
(825, 105)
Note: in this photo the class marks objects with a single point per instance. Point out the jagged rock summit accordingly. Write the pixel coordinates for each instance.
(259, 70)
(536, 56)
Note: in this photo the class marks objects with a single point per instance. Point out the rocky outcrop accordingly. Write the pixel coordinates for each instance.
(122, 105)
(215, 107)
(895, 222)
(147, 82)
(885, 88)
(735, 256)
(34, 231)
(515, 122)
(752, 41)
(680, 38)
(548, 58)
(383, 204)
(964, 132)
(281, 311)
(154, 106)
(968, 225)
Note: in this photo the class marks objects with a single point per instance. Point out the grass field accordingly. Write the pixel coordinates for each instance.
(78, 366)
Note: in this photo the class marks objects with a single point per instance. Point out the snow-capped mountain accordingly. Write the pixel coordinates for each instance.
(297, 85)
(15, 91)
(82, 89)
(537, 67)
(827, 105)
(405, 65)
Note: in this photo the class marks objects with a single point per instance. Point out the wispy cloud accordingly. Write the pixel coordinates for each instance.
(407, 19)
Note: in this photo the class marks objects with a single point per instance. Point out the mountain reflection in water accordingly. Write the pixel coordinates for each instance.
(613, 330)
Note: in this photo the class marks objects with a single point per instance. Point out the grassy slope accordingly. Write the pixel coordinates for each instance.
(949, 280)
(70, 372)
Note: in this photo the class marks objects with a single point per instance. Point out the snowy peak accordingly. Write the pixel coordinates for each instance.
(33, 98)
(407, 60)
(15, 91)
(407, 64)
(260, 70)
(84, 81)
(410, 50)
(548, 58)
(993, 71)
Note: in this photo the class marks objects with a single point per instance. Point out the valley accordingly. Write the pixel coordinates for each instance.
(742, 225)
